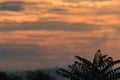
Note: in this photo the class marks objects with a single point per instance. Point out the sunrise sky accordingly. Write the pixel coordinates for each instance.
(49, 33)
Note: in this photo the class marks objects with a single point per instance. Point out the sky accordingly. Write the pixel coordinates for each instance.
(38, 34)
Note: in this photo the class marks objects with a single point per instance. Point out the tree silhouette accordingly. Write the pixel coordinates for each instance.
(102, 68)
(3, 76)
(29, 75)
(14, 77)
(38, 75)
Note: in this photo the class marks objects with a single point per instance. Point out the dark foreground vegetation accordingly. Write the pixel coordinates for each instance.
(28, 75)
(103, 67)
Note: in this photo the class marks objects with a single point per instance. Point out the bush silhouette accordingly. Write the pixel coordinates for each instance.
(102, 68)
(14, 77)
(29, 75)
(3, 76)
(38, 75)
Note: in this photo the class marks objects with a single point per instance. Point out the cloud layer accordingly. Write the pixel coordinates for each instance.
(11, 6)
(86, 11)
(38, 34)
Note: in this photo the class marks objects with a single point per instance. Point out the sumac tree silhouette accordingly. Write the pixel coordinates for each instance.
(102, 68)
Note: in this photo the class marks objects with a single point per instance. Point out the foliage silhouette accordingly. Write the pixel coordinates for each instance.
(38, 75)
(29, 75)
(3, 76)
(14, 77)
(102, 68)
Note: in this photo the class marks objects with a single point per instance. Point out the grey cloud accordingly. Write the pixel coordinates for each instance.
(107, 11)
(17, 49)
(52, 26)
(117, 30)
(82, 38)
(27, 54)
(12, 6)
(13, 54)
(43, 36)
(57, 10)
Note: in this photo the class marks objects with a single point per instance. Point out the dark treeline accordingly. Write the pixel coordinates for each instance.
(28, 75)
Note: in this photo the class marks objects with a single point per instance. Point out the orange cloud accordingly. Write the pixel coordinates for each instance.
(104, 12)
(43, 31)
